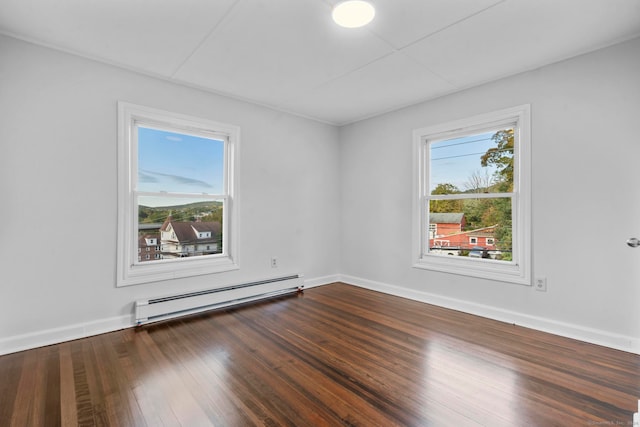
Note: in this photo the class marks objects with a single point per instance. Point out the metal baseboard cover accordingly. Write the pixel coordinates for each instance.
(161, 308)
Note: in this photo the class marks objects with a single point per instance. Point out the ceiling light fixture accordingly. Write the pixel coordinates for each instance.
(353, 13)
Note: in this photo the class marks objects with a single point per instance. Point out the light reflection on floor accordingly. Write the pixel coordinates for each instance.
(469, 385)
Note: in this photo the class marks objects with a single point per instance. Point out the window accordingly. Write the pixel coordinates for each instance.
(175, 175)
(477, 169)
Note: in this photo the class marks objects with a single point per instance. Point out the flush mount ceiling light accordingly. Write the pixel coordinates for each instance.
(353, 13)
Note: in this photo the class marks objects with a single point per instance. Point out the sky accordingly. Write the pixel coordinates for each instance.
(178, 163)
(182, 163)
(454, 160)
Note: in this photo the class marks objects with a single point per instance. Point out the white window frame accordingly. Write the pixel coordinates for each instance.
(129, 270)
(517, 271)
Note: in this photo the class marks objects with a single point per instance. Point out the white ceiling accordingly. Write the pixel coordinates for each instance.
(289, 55)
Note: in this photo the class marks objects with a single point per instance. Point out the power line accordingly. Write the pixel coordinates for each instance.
(471, 154)
(460, 143)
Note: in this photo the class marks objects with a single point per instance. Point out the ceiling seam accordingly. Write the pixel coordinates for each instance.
(395, 49)
(426, 66)
(446, 27)
(204, 39)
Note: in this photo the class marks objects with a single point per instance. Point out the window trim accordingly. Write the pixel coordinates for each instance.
(131, 272)
(519, 271)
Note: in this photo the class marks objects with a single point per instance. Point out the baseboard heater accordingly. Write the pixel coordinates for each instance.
(168, 307)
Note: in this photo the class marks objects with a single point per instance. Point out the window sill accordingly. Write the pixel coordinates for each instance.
(484, 269)
(148, 272)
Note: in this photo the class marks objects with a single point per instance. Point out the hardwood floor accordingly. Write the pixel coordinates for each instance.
(335, 355)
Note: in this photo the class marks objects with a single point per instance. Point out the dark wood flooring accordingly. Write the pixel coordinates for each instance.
(335, 355)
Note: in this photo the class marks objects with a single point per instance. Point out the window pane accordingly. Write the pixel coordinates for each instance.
(480, 228)
(171, 228)
(179, 163)
(477, 163)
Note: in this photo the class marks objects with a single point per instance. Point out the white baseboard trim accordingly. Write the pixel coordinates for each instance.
(319, 281)
(46, 337)
(581, 333)
(65, 333)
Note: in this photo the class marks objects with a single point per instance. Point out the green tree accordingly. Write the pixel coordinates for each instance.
(474, 213)
(446, 205)
(501, 156)
(498, 211)
(214, 216)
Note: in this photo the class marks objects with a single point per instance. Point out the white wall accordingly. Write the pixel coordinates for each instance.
(325, 201)
(586, 199)
(59, 203)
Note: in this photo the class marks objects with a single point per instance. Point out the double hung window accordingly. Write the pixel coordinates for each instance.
(175, 191)
(473, 192)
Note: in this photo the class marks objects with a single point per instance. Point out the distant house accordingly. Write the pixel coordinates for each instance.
(149, 247)
(446, 231)
(484, 237)
(442, 224)
(180, 239)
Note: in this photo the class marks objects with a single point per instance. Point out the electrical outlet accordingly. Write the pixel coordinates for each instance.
(541, 284)
(274, 262)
